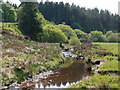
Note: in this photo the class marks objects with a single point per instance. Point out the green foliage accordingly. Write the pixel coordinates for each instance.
(52, 34)
(22, 58)
(76, 26)
(79, 17)
(1, 13)
(30, 19)
(8, 12)
(74, 41)
(108, 33)
(112, 37)
(104, 39)
(12, 26)
(98, 81)
(84, 37)
(20, 75)
(79, 33)
(67, 30)
(97, 36)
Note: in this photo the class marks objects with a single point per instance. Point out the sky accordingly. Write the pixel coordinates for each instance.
(111, 5)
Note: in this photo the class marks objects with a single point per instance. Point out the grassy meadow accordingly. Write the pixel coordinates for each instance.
(110, 63)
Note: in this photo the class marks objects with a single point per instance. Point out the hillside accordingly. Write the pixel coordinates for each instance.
(23, 58)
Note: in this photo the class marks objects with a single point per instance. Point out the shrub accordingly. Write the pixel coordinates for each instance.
(67, 30)
(52, 34)
(79, 33)
(84, 37)
(108, 33)
(97, 36)
(74, 41)
(113, 37)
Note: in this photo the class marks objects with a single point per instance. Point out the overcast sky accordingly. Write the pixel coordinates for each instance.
(111, 5)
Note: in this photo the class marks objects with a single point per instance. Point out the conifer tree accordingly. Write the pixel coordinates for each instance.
(30, 20)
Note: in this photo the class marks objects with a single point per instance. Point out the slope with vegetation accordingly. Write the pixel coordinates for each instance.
(23, 58)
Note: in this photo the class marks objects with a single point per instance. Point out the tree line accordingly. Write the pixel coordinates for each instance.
(79, 17)
(33, 24)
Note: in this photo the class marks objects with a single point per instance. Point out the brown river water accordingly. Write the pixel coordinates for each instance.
(70, 73)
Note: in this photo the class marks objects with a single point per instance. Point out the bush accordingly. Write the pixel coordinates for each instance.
(67, 30)
(108, 33)
(52, 34)
(113, 37)
(103, 38)
(79, 33)
(74, 41)
(97, 36)
(84, 37)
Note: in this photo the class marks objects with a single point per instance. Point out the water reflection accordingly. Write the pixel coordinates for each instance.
(59, 78)
(63, 77)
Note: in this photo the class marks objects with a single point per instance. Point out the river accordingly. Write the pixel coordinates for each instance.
(70, 73)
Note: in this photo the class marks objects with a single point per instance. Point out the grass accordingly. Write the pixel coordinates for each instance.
(110, 65)
(109, 80)
(31, 57)
(23, 57)
(98, 81)
(109, 47)
(111, 62)
(12, 26)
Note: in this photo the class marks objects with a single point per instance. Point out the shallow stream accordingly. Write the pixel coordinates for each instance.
(71, 72)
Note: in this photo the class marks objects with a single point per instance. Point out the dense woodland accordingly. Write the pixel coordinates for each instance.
(79, 17)
(59, 22)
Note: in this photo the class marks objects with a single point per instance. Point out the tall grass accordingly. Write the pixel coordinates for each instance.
(110, 47)
(12, 26)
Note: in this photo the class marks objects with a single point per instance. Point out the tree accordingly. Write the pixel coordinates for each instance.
(67, 30)
(79, 17)
(1, 12)
(15, 6)
(113, 37)
(74, 41)
(8, 12)
(52, 34)
(96, 36)
(30, 19)
(79, 33)
(84, 37)
(108, 33)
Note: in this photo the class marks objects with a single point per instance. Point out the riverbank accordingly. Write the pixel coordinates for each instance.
(58, 78)
(107, 75)
(23, 58)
